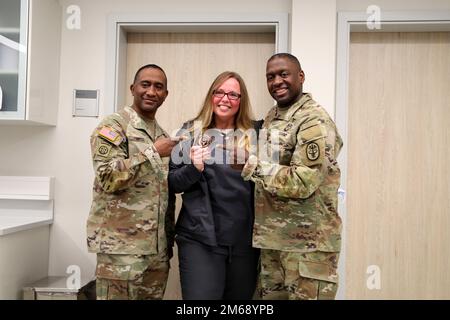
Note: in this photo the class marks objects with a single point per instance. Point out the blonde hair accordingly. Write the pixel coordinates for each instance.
(243, 118)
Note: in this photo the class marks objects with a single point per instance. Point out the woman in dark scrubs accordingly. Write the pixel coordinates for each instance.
(214, 228)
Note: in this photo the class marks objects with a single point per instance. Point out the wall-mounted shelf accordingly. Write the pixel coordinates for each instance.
(25, 203)
(9, 30)
(9, 72)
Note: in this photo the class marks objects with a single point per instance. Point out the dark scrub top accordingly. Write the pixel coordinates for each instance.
(231, 198)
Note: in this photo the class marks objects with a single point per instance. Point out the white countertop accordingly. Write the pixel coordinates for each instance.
(10, 224)
(19, 215)
(25, 203)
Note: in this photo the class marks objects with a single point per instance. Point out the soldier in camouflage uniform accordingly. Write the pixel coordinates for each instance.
(131, 222)
(297, 225)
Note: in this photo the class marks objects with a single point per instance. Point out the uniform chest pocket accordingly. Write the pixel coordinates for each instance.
(312, 145)
(137, 143)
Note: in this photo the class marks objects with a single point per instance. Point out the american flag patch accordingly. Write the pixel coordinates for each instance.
(110, 135)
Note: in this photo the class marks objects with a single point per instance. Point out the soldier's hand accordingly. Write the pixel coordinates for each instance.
(164, 146)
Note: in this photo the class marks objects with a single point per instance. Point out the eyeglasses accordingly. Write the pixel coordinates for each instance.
(231, 95)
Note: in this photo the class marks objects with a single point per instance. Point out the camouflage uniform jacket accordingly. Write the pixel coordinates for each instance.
(131, 212)
(296, 197)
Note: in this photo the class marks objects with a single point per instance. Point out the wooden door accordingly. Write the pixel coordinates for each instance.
(398, 195)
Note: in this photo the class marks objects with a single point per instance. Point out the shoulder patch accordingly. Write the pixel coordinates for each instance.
(110, 135)
(103, 149)
(312, 151)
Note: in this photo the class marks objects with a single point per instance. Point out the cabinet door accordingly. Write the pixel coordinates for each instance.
(13, 58)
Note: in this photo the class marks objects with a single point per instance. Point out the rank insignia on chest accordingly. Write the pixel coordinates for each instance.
(110, 135)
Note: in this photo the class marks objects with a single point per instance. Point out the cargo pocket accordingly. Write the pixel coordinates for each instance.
(112, 281)
(321, 277)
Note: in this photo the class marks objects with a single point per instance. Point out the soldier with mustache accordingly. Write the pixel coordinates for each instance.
(130, 226)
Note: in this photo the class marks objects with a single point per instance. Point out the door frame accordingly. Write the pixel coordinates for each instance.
(120, 24)
(417, 21)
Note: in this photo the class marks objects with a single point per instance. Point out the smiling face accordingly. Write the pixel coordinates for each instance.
(224, 108)
(284, 81)
(149, 91)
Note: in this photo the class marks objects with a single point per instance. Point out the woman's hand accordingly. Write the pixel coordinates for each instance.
(198, 156)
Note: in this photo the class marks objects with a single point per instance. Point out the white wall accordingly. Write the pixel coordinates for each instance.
(313, 42)
(23, 260)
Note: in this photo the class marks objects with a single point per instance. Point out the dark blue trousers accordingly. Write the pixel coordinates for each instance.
(216, 273)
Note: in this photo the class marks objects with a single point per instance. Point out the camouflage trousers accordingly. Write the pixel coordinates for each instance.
(298, 276)
(131, 277)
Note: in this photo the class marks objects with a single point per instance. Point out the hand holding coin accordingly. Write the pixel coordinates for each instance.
(198, 155)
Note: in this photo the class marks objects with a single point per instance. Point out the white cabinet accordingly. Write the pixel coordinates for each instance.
(25, 203)
(30, 36)
(24, 258)
(26, 213)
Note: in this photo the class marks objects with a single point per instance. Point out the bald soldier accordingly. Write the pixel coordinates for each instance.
(297, 225)
(130, 226)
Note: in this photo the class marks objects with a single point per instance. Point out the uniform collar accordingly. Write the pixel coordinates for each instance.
(287, 113)
(137, 122)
